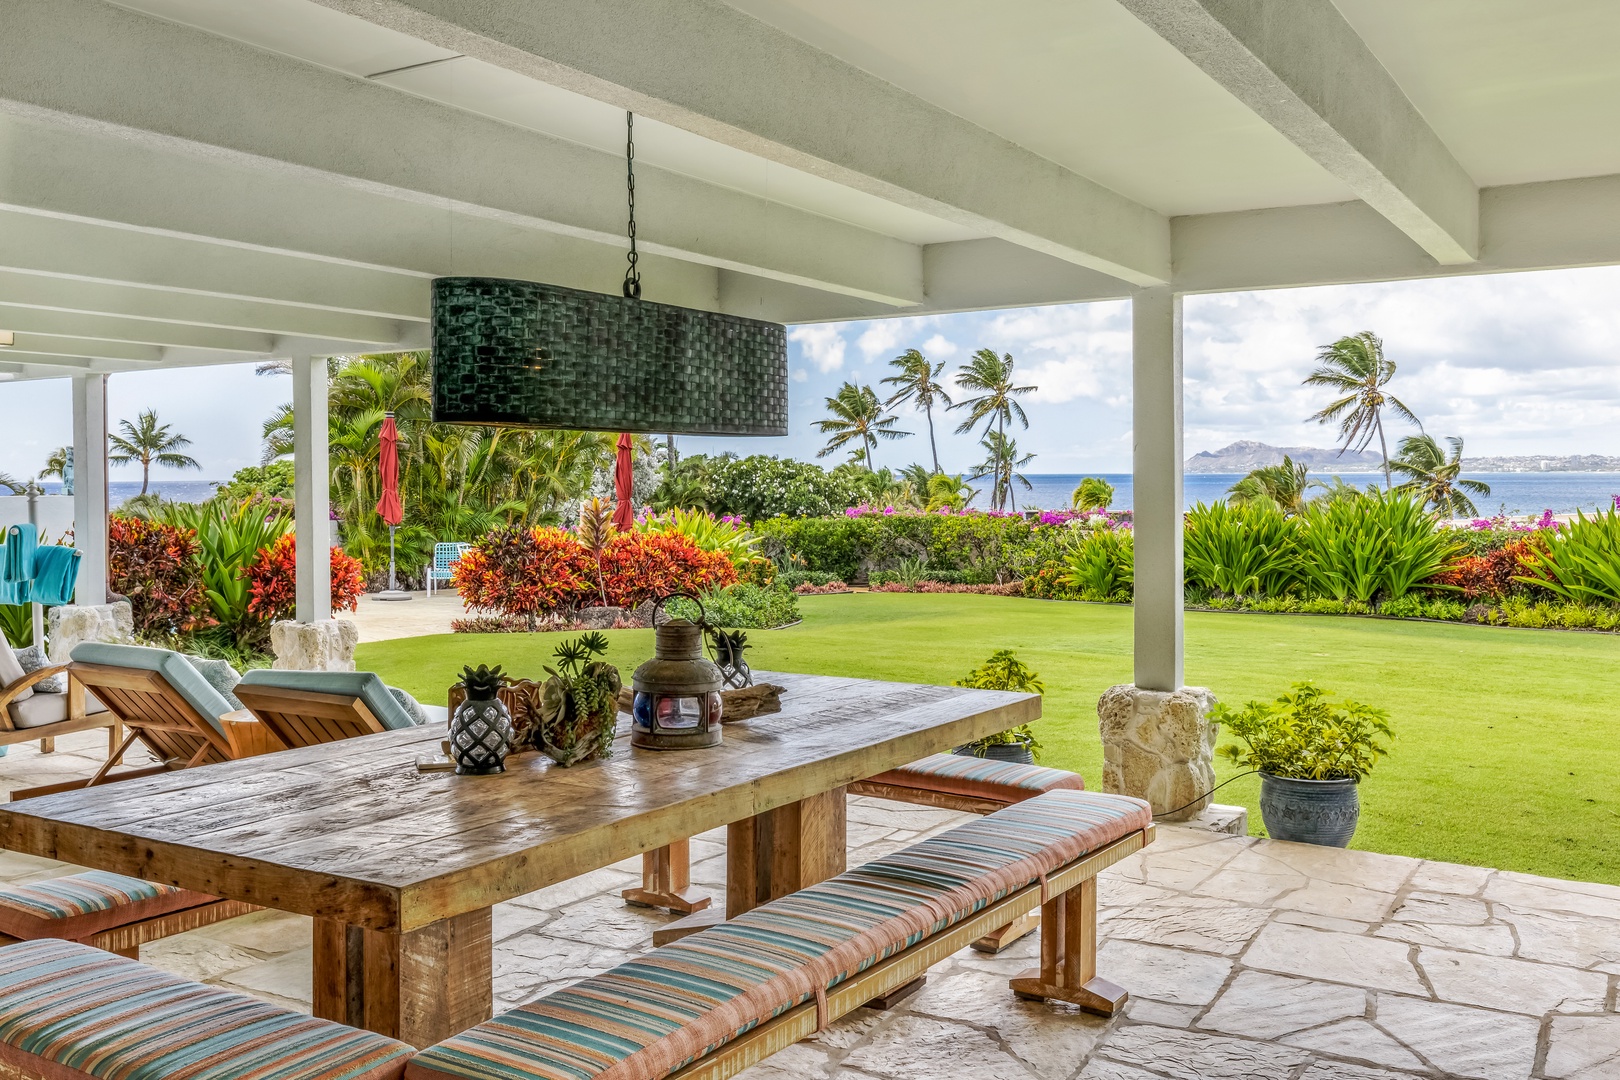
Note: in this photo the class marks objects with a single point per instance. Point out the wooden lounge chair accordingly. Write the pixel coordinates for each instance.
(164, 704)
(306, 708)
(27, 714)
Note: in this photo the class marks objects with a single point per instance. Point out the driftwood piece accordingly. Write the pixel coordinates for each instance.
(750, 701)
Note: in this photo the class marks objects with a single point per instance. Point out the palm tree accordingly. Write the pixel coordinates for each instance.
(1001, 462)
(1094, 493)
(857, 414)
(918, 380)
(1356, 367)
(945, 489)
(1434, 477)
(997, 403)
(149, 443)
(1285, 485)
(12, 484)
(55, 465)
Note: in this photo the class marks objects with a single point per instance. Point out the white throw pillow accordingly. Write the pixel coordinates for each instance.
(10, 670)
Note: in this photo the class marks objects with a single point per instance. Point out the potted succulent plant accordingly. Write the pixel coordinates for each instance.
(1004, 671)
(1312, 754)
(579, 704)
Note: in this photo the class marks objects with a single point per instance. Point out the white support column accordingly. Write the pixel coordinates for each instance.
(311, 490)
(1156, 364)
(90, 487)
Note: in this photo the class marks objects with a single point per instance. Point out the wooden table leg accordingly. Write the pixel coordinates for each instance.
(773, 854)
(419, 987)
(666, 881)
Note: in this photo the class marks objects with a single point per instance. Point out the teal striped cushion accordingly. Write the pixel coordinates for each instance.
(70, 1010)
(980, 778)
(649, 1016)
(85, 904)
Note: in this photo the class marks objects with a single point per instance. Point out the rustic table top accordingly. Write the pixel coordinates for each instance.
(352, 831)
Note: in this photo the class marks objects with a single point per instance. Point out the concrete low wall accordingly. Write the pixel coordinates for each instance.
(54, 514)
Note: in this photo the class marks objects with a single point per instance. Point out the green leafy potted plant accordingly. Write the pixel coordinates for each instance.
(1004, 671)
(1311, 753)
(579, 704)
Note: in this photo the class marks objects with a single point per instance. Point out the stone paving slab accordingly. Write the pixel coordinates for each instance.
(1247, 959)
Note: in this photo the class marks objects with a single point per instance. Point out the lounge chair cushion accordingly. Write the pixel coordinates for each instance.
(69, 1011)
(219, 674)
(85, 904)
(365, 685)
(651, 1015)
(175, 669)
(11, 670)
(42, 710)
(1004, 782)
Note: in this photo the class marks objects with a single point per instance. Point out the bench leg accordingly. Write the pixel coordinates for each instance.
(666, 881)
(1019, 928)
(1068, 970)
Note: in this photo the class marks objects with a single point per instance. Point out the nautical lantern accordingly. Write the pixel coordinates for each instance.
(677, 693)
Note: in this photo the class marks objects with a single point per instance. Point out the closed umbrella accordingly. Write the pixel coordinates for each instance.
(624, 475)
(389, 506)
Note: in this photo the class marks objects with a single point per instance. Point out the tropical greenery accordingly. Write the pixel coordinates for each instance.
(744, 606)
(1436, 477)
(1001, 464)
(1283, 486)
(1511, 727)
(1004, 671)
(1356, 368)
(1304, 735)
(989, 378)
(916, 380)
(856, 415)
(149, 443)
(1092, 493)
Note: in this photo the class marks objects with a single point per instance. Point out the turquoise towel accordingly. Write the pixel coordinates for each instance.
(14, 592)
(56, 574)
(18, 564)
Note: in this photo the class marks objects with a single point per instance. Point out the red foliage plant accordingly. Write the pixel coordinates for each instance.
(638, 566)
(1489, 576)
(524, 572)
(273, 579)
(155, 566)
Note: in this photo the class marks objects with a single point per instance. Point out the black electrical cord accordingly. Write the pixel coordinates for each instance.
(1205, 795)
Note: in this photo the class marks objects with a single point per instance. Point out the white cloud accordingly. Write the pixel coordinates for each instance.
(880, 337)
(939, 347)
(801, 375)
(823, 344)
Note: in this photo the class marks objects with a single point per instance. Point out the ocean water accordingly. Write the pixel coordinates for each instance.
(1511, 493)
(174, 490)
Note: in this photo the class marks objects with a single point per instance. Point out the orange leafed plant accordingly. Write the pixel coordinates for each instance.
(273, 580)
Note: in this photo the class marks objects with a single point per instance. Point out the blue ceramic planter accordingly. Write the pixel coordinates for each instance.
(1310, 811)
(1016, 752)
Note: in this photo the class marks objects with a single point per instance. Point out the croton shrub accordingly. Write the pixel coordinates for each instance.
(155, 566)
(539, 572)
(273, 578)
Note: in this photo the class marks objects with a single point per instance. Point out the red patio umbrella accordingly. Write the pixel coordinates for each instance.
(624, 514)
(389, 506)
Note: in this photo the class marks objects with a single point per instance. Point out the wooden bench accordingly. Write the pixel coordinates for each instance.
(75, 1011)
(107, 911)
(707, 1006)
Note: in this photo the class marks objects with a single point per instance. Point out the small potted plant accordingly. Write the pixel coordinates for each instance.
(1311, 754)
(1004, 671)
(579, 704)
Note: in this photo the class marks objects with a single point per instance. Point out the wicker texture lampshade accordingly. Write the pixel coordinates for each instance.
(522, 354)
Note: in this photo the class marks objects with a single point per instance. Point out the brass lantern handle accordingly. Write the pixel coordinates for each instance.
(703, 613)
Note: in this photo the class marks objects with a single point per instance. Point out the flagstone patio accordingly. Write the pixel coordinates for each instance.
(1245, 958)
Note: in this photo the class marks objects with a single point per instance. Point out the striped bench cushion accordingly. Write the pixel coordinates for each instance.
(649, 1016)
(980, 778)
(84, 904)
(69, 1011)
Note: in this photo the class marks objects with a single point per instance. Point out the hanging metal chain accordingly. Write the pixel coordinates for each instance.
(632, 275)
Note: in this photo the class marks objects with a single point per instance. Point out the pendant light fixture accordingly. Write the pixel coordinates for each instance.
(510, 353)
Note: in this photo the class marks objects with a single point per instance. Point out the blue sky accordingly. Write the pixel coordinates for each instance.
(1517, 364)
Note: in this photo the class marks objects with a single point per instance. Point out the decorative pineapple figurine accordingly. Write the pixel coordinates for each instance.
(481, 729)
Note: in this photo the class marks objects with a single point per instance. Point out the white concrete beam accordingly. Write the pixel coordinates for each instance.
(140, 331)
(1156, 408)
(1302, 68)
(90, 486)
(89, 348)
(51, 294)
(1546, 226)
(55, 247)
(209, 97)
(706, 67)
(311, 491)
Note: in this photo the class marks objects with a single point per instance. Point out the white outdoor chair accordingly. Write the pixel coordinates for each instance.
(444, 557)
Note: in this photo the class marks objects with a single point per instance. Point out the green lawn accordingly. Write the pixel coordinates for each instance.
(1509, 740)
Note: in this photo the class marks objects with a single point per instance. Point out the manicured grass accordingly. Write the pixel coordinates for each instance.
(1509, 740)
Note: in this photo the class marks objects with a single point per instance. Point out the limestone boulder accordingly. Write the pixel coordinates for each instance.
(1159, 746)
(325, 646)
(70, 625)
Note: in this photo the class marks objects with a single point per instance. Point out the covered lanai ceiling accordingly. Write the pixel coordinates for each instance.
(212, 181)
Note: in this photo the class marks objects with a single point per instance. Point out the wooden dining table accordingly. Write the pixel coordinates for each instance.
(400, 867)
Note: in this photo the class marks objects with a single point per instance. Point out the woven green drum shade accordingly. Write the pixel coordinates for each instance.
(522, 354)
